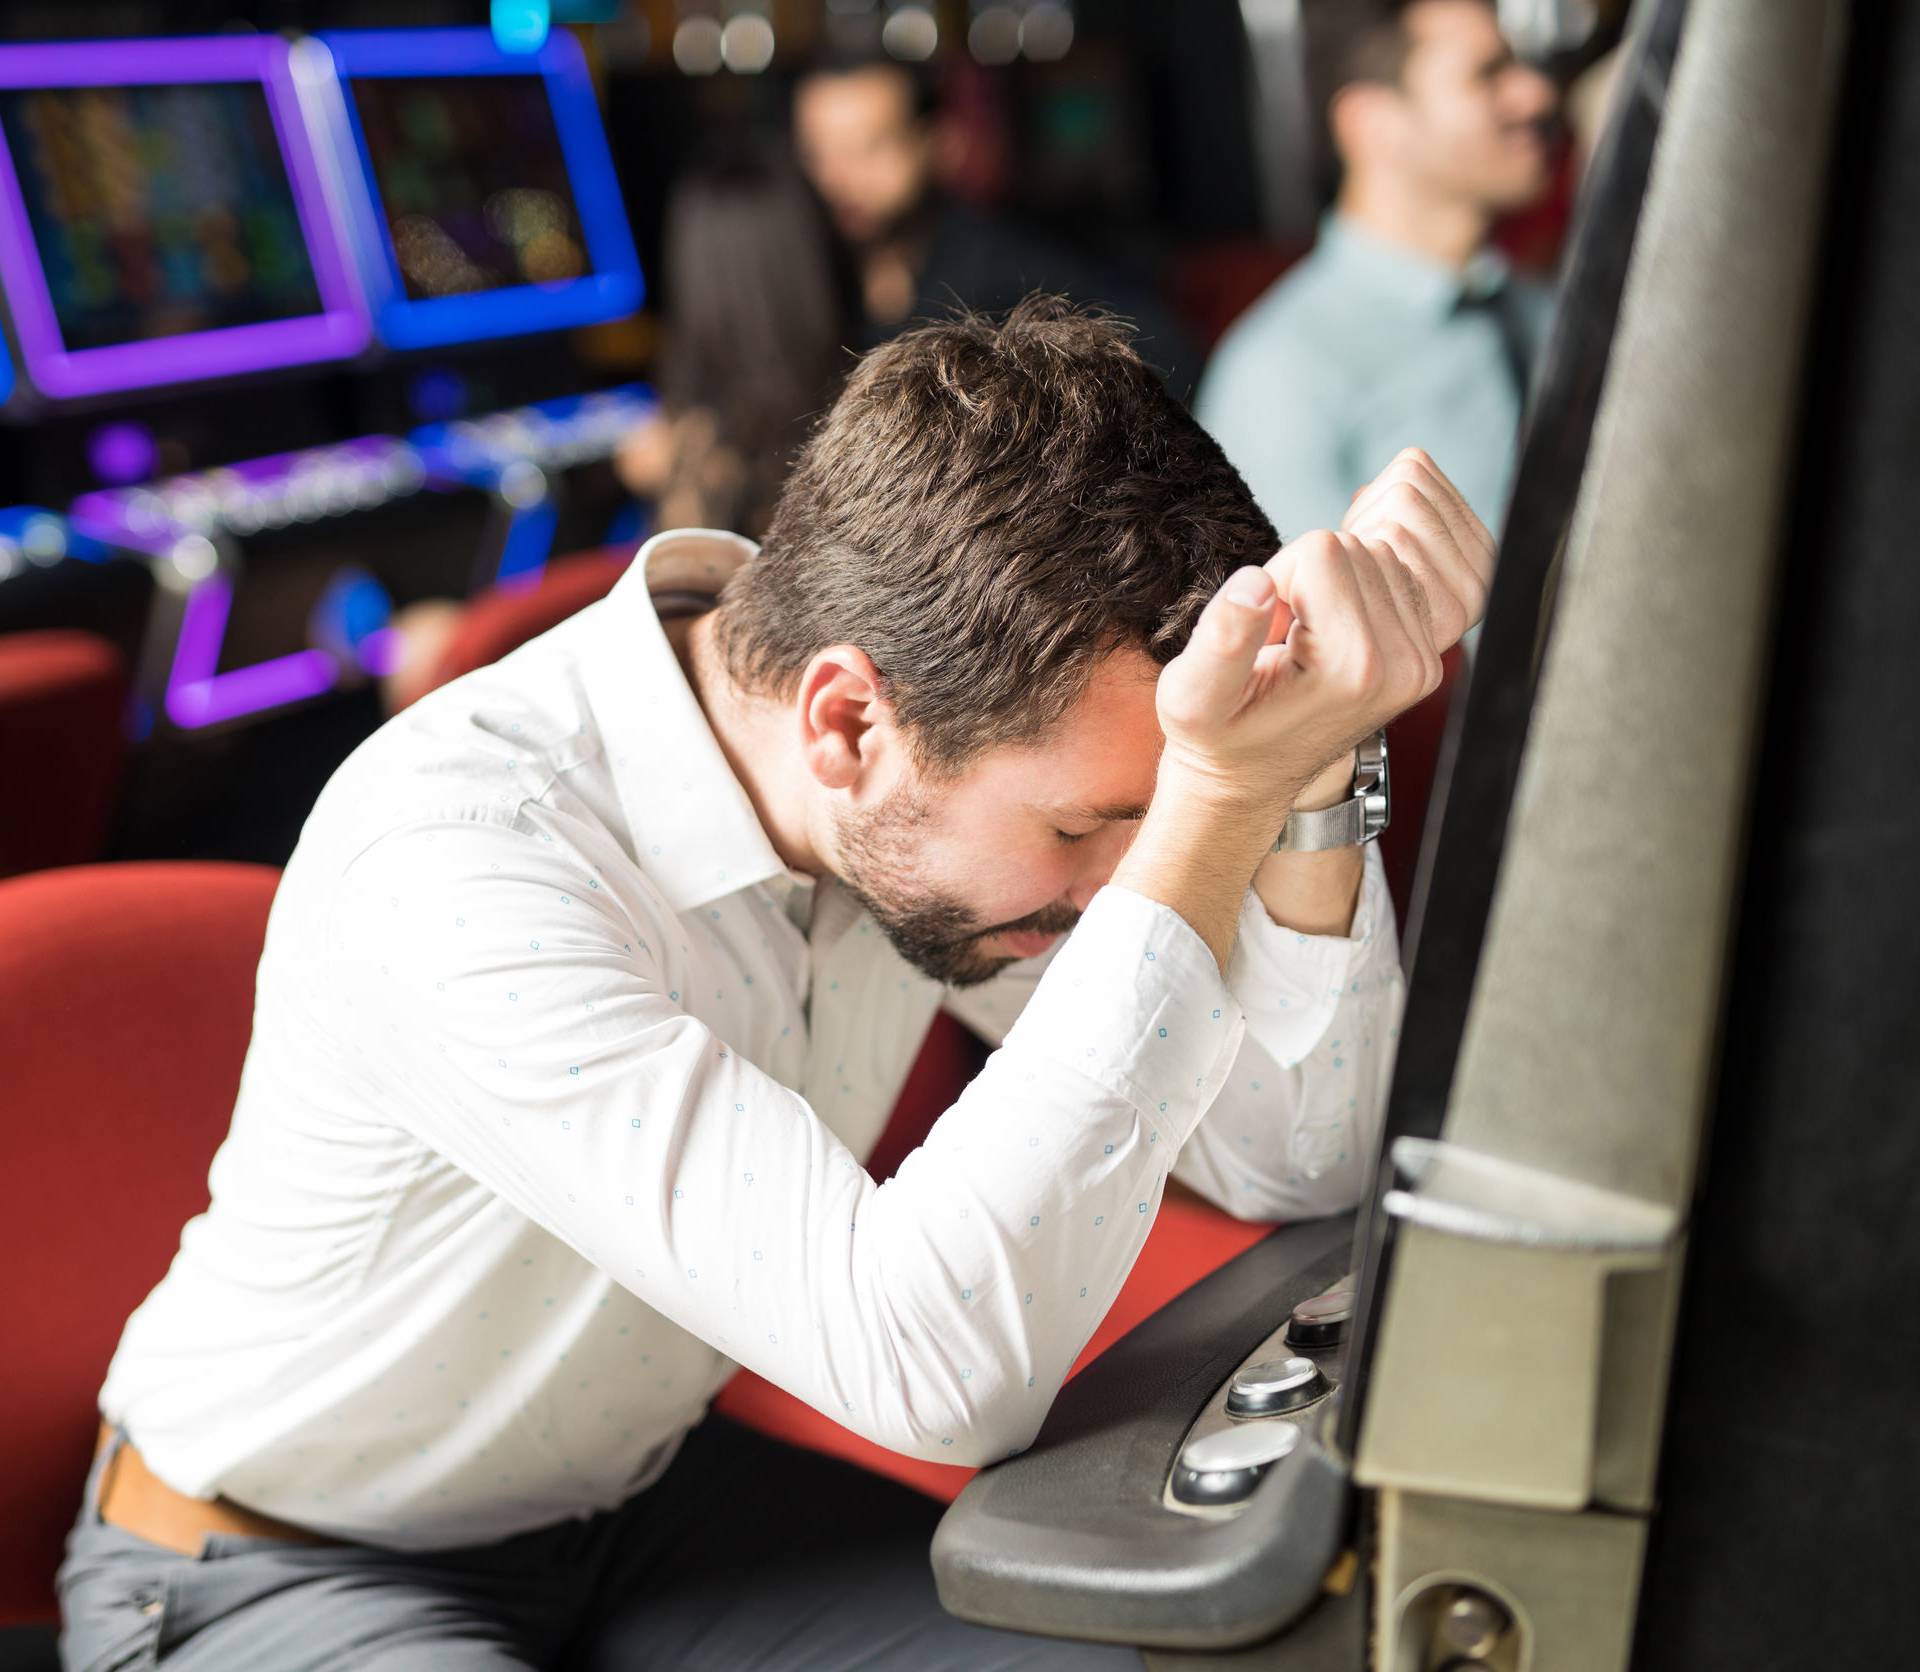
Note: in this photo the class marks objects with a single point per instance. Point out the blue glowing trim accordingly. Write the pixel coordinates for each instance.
(6, 374)
(31, 525)
(613, 290)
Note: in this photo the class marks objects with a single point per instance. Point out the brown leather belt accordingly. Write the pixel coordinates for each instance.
(136, 1500)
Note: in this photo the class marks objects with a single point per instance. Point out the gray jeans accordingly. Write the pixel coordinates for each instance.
(747, 1553)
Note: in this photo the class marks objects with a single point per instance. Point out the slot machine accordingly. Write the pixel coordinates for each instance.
(264, 409)
(485, 218)
(160, 225)
(183, 306)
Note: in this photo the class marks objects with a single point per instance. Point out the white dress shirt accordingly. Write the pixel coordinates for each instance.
(557, 1099)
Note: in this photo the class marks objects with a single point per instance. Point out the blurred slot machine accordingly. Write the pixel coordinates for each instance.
(484, 218)
(237, 388)
(51, 576)
(176, 284)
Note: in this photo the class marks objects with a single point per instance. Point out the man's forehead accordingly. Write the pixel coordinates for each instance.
(867, 92)
(1100, 761)
(1454, 30)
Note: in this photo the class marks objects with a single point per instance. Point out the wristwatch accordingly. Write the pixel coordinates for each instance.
(1346, 824)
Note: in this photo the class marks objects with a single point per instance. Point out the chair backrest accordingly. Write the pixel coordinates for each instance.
(504, 617)
(63, 699)
(126, 1001)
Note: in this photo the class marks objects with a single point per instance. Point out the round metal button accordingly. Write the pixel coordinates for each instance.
(1321, 1321)
(1225, 1467)
(1275, 1385)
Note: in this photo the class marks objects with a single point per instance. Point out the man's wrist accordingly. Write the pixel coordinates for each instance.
(1330, 786)
(1196, 851)
(1198, 803)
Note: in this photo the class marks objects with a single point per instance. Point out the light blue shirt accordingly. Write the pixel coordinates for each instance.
(1361, 349)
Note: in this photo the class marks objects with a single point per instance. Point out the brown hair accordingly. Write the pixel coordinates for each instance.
(1348, 41)
(989, 508)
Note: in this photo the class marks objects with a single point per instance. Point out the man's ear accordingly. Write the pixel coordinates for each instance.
(846, 722)
(1358, 117)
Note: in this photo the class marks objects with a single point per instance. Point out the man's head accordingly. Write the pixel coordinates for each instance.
(865, 135)
(994, 540)
(1427, 99)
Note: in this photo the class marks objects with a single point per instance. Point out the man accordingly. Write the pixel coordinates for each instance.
(866, 134)
(1401, 325)
(596, 973)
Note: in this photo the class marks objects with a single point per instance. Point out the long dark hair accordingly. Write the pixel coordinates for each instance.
(760, 299)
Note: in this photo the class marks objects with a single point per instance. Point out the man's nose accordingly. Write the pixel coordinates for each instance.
(1086, 887)
(1531, 96)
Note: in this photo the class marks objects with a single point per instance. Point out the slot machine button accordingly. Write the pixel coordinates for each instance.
(43, 539)
(1321, 1321)
(1224, 1468)
(145, 511)
(1275, 1385)
(192, 504)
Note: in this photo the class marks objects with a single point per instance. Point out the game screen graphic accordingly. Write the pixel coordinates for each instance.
(472, 181)
(158, 211)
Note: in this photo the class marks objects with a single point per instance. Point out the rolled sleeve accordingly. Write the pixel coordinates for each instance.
(1294, 1130)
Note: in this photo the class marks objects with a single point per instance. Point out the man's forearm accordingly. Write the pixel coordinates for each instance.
(1196, 856)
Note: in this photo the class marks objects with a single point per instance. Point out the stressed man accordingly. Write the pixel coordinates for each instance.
(594, 978)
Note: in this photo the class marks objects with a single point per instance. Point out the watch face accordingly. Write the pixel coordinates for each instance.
(1385, 793)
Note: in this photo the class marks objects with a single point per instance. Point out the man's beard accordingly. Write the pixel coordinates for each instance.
(934, 931)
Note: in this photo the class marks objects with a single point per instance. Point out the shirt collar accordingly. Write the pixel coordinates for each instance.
(1402, 274)
(694, 830)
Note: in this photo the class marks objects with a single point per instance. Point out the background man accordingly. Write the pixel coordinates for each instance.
(865, 131)
(1401, 326)
(596, 973)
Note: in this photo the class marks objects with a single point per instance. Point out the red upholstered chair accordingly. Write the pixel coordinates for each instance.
(63, 700)
(504, 617)
(1212, 284)
(126, 999)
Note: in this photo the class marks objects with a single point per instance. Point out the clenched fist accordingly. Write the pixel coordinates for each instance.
(1291, 664)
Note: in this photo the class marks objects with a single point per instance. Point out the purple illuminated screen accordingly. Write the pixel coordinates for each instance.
(160, 217)
(473, 182)
(158, 211)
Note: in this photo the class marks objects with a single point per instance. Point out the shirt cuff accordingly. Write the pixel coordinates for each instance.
(1135, 1001)
(1291, 984)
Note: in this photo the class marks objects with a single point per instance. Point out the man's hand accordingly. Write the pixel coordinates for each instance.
(1418, 514)
(1292, 664)
(1289, 666)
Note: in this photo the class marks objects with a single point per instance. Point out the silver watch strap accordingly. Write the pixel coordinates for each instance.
(1346, 824)
(1343, 825)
